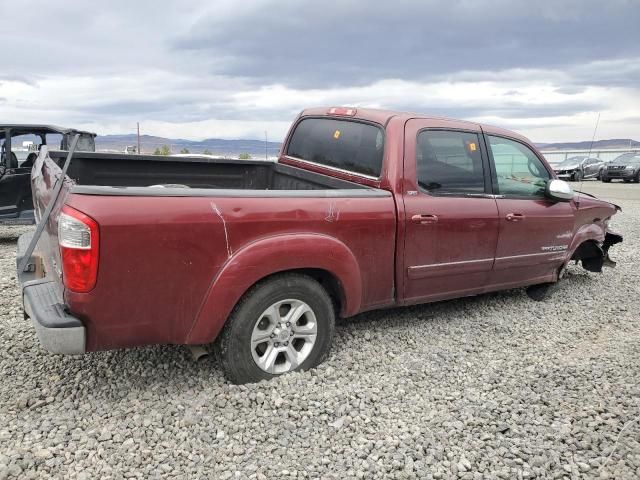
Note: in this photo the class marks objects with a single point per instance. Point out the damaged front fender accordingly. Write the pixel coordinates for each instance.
(594, 256)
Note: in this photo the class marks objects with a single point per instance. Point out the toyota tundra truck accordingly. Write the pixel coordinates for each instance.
(364, 209)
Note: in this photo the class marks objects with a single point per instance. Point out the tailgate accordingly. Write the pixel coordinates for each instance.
(45, 259)
(41, 278)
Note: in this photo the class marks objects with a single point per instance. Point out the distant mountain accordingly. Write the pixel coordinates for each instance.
(217, 146)
(586, 145)
(256, 148)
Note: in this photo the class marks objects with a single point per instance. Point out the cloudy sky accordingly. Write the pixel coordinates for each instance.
(229, 69)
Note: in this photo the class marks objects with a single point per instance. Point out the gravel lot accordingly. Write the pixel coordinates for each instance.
(495, 386)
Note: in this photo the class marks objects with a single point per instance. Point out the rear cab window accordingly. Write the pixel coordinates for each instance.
(349, 145)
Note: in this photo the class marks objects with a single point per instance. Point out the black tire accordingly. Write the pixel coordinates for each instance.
(233, 346)
(606, 180)
(576, 177)
(626, 180)
(637, 178)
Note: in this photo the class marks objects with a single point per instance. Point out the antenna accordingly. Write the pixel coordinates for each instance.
(588, 156)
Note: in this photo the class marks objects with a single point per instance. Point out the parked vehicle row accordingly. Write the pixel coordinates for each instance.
(364, 209)
(626, 167)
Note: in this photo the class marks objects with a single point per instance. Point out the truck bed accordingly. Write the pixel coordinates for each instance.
(175, 260)
(120, 170)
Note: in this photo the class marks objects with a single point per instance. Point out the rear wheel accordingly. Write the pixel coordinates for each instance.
(282, 324)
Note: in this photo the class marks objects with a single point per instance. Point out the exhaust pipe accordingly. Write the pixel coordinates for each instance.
(198, 352)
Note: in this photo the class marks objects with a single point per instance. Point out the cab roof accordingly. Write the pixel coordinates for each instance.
(34, 129)
(382, 117)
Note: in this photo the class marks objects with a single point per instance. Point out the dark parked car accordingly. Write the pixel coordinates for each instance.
(626, 167)
(16, 205)
(576, 168)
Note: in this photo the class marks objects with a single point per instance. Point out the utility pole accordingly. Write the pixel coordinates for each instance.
(139, 152)
(266, 156)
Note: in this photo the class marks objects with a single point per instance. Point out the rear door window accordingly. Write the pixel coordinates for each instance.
(348, 145)
(449, 162)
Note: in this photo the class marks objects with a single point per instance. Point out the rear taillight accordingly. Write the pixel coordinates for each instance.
(78, 237)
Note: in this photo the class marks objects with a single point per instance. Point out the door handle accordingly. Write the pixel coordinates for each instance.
(424, 219)
(514, 217)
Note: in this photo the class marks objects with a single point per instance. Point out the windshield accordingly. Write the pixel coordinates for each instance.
(628, 158)
(570, 161)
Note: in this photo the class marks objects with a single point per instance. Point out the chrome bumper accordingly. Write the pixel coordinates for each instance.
(57, 330)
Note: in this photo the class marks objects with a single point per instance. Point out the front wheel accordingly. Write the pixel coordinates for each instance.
(577, 176)
(283, 324)
(606, 180)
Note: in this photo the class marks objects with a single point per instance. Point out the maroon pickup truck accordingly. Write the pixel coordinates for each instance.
(364, 209)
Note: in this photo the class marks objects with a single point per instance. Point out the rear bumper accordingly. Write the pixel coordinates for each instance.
(57, 330)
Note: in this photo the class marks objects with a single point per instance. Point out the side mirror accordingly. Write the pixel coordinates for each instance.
(559, 190)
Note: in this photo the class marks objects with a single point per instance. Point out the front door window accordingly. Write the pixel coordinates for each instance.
(519, 171)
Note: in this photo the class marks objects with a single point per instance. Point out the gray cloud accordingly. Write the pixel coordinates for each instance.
(192, 61)
(339, 43)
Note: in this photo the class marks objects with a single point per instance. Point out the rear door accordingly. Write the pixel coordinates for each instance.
(15, 192)
(534, 231)
(451, 217)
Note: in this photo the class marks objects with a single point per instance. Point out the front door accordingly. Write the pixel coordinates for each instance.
(451, 217)
(534, 231)
(591, 168)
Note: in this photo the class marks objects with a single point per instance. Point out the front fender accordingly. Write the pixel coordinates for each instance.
(592, 247)
(591, 231)
(265, 257)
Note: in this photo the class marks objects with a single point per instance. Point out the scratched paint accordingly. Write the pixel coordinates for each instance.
(217, 211)
(333, 214)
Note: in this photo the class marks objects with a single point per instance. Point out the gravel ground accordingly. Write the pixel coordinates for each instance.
(495, 386)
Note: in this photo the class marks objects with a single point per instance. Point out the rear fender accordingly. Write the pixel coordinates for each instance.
(273, 255)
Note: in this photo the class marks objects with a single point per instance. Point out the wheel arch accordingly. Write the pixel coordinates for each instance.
(324, 258)
(586, 247)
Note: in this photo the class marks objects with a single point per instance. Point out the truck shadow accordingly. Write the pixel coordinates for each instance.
(170, 369)
(443, 310)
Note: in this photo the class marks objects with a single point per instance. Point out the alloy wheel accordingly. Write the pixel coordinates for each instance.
(283, 336)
